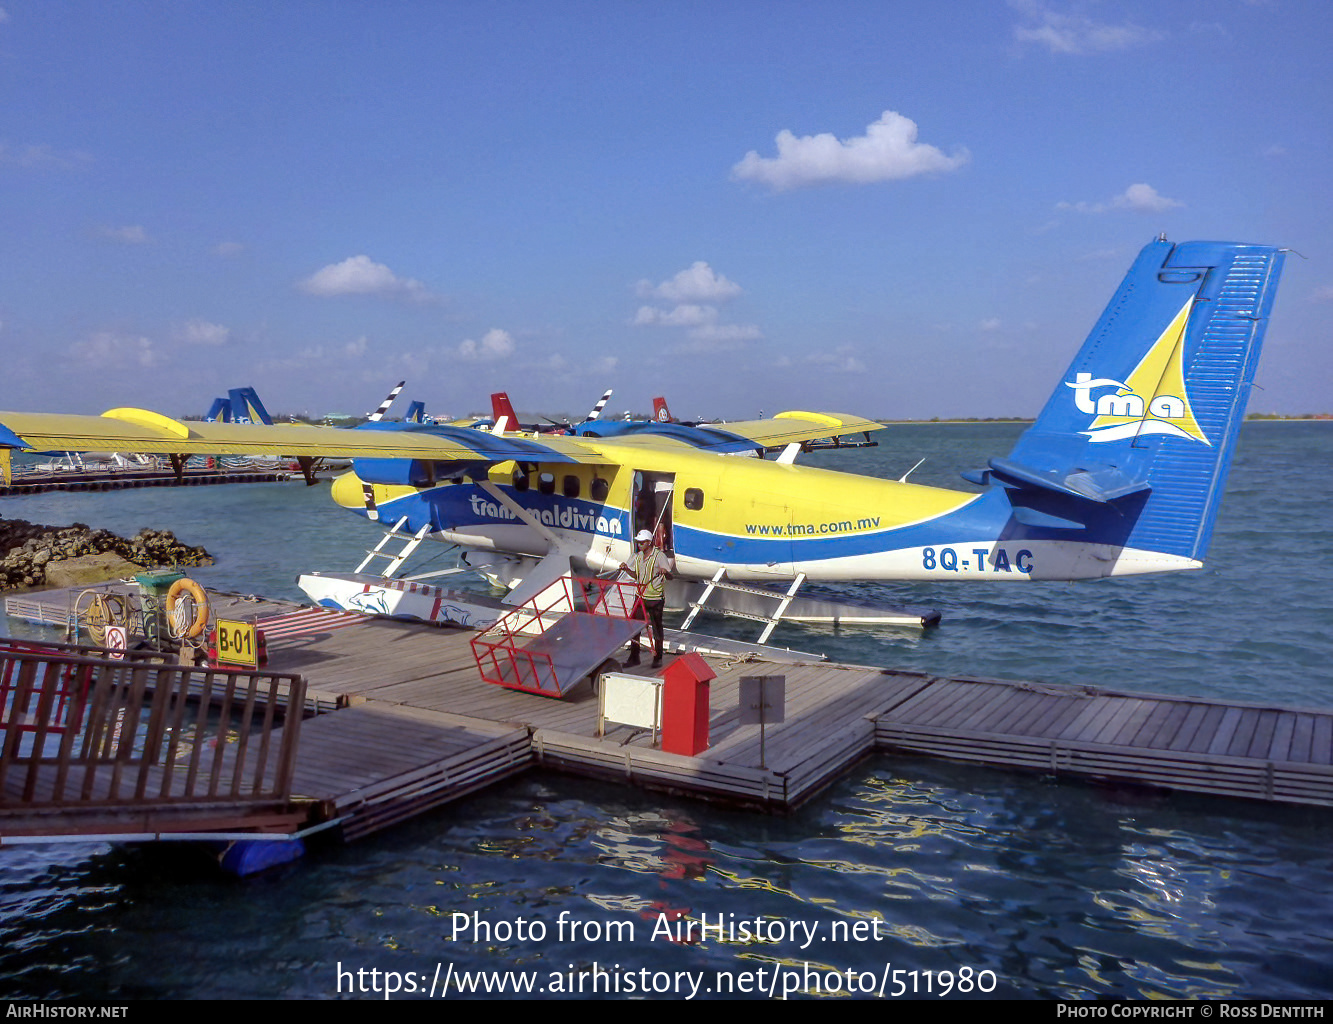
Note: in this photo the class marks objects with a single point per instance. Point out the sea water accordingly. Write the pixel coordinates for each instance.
(907, 877)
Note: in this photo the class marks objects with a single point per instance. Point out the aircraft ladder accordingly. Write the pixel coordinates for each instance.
(719, 582)
(410, 544)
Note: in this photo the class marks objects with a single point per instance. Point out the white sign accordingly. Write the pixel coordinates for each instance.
(117, 641)
(629, 700)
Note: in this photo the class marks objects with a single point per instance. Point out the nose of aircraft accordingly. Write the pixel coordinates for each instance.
(347, 491)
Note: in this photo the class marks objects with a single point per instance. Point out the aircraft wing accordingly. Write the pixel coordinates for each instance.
(788, 427)
(138, 430)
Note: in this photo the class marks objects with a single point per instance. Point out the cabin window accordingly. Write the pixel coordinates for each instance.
(570, 486)
(694, 499)
(546, 483)
(600, 488)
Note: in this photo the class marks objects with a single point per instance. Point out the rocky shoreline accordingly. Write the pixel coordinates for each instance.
(67, 556)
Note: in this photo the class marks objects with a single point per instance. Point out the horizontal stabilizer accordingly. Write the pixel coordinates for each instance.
(1104, 484)
(1049, 500)
(1045, 520)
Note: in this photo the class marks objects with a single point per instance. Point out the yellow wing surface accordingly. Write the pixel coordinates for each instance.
(787, 427)
(140, 430)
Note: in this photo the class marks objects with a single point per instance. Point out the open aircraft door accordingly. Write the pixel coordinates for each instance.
(654, 494)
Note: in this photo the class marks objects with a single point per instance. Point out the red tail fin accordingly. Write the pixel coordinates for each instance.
(660, 411)
(500, 407)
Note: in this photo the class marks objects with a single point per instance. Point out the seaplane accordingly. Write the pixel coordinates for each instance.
(505, 420)
(1121, 473)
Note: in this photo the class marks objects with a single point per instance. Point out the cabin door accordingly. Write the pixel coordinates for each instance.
(651, 508)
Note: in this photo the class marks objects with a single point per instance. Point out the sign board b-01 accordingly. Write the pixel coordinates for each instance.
(237, 644)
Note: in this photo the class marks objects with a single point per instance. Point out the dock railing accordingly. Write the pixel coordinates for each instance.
(88, 734)
(510, 652)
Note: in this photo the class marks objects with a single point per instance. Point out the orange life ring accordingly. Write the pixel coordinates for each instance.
(184, 586)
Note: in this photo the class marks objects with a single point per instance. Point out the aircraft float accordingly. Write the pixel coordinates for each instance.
(1122, 472)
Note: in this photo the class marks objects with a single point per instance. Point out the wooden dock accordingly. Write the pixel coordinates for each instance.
(123, 479)
(405, 724)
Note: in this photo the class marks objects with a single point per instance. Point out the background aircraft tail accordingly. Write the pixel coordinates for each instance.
(502, 410)
(660, 411)
(601, 404)
(1134, 446)
(378, 414)
(219, 411)
(246, 407)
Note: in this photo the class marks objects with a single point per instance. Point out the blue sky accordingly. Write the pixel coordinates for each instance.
(898, 209)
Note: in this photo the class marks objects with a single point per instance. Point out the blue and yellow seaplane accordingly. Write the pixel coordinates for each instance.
(1122, 472)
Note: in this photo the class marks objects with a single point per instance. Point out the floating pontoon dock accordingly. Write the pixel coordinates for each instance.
(123, 479)
(401, 722)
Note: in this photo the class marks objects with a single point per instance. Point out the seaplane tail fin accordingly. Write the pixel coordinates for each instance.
(247, 408)
(1135, 444)
(378, 414)
(596, 410)
(416, 413)
(219, 411)
(501, 409)
(660, 411)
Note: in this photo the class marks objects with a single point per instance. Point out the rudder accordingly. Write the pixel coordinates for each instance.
(1152, 404)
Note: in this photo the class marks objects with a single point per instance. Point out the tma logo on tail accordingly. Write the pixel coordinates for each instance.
(1160, 376)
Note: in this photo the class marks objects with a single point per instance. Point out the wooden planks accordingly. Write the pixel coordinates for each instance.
(376, 764)
(417, 727)
(1237, 750)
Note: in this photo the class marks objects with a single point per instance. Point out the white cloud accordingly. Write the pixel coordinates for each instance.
(494, 344)
(360, 275)
(227, 249)
(1323, 294)
(1138, 198)
(698, 283)
(888, 151)
(1075, 34)
(1144, 199)
(681, 316)
(201, 332)
(694, 290)
(990, 324)
(107, 349)
(131, 234)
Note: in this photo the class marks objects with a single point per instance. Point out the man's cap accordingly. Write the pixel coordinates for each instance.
(643, 535)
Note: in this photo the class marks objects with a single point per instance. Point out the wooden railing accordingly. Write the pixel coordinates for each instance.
(84, 732)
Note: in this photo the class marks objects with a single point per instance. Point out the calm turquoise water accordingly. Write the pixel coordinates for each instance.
(1059, 889)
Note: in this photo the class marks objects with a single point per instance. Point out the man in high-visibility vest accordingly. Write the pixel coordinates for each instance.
(650, 569)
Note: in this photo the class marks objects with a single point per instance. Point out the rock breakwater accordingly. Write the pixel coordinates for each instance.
(37, 556)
